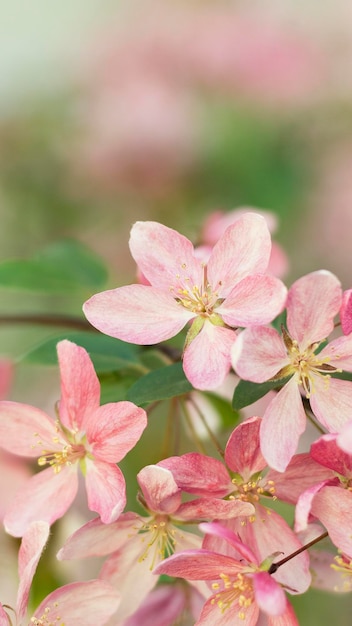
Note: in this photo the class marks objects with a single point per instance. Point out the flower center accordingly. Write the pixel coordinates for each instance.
(344, 566)
(200, 299)
(306, 364)
(159, 535)
(253, 490)
(69, 454)
(238, 590)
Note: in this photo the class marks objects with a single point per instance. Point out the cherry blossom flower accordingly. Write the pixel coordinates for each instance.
(242, 586)
(93, 601)
(138, 543)
(85, 435)
(262, 353)
(244, 480)
(330, 500)
(231, 290)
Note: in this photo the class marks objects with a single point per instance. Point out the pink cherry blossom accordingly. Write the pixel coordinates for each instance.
(93, 601)
(242, 586)
(262, 353)
(244, 480)
(231, 290)
(138, 543)
(330, 500)
(85, 435)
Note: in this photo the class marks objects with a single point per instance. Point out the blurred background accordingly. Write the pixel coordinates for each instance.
(112, 112)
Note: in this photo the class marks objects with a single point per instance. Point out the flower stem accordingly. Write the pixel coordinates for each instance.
(275, 566)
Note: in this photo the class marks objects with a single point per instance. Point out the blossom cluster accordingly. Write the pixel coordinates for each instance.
(206, 542)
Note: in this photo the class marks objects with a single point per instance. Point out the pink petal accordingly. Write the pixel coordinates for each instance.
(6, 376)
(242, 250)
(338, 353)
(165, 257)
(90, 603)
(332, 506)
(269, 596)
(254, 301)
(26, 430)
(98, 539)
(223, 532)
(346, 312)
(130, 571)
(242, 452)
(270, 533)
(206, 360)
(312, 303)
(137, 314)
(213, 508)
(304, 506)
(80, 387)
(114, 429)
(301, 473)
(288, 618)
(30, 551)
(259, 354)
(283, 422)
(106, 490)
(344, 438)
(199, 474)
(326, 452)
(161, 607)
(331, 401)
(46, 497)
(159, 488)
(199, 565)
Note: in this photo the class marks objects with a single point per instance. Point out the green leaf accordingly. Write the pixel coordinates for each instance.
(246, 392)
(62, 266)
(108, 354)
(161, 384)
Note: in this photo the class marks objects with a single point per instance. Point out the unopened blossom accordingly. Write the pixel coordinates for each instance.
(242, 587)
(330, 500)
(298, 353)
(217, 222)
(230, 290)
(91, 602)
(245, 479)
(85, 435)
(138, 543)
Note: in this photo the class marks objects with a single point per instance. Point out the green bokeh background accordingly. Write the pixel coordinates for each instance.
(247, 155)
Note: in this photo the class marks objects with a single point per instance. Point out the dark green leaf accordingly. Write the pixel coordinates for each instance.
(108, 354)
(62, 266)
(161, 384)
